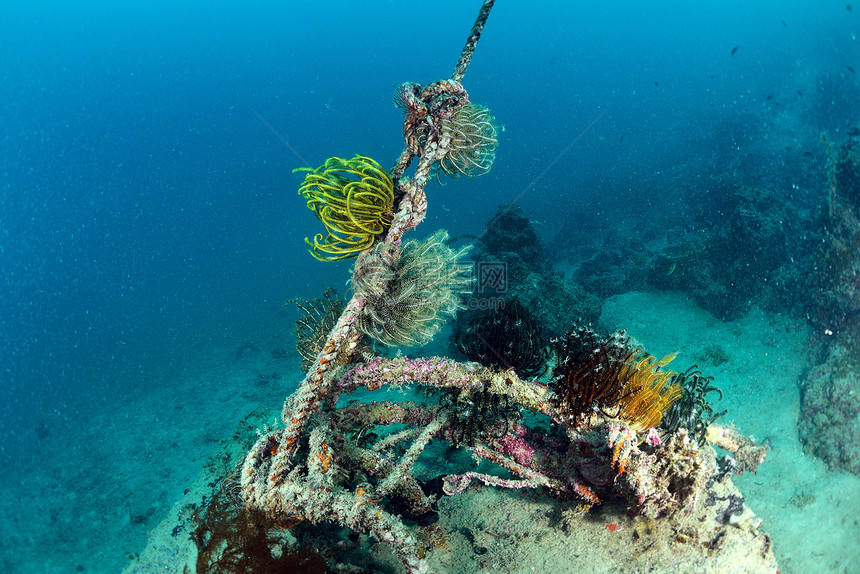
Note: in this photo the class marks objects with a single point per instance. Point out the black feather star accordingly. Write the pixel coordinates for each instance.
(478, 415)
(589, 375)
(507, 338)
(693, 411)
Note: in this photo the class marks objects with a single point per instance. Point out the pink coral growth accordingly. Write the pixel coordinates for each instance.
(653, 437)
(516, 447)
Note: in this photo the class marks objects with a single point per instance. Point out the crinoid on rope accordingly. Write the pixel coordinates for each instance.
(648, 395)
(313, 327)
(509, 337)
(692, 411)
(587, 376)
(609, 376)
(357, 465)
(410, 298)
(478, 415)
(474, 138)
(353, 198)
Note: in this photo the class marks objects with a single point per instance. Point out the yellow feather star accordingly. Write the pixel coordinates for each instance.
(354, 199)
(647, 397)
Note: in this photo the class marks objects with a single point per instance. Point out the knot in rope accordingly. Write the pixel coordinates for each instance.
(424, 108)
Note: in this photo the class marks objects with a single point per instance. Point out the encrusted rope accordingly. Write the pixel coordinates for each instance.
(472, 41)
(272, 481)
(411, 210)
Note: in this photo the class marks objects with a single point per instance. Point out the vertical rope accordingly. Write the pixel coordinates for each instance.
(472, 41)
(314, 389)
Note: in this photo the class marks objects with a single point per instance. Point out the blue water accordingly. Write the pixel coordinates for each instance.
(148, 213)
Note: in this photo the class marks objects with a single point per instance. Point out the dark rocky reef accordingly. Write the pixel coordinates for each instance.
(511, 263)
(829, 421)
(729, 248)
(745, 259)
(829, 424)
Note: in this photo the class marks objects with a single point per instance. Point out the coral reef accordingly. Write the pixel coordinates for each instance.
(829, 421)
(738, 262)
(837, 303)
(748, 455)
(847, 170)
(353, 198)
(510, 231)
(708, 538)
(348, 476)
(482, 529)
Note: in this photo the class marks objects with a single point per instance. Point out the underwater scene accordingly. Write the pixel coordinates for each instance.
(455, 287)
